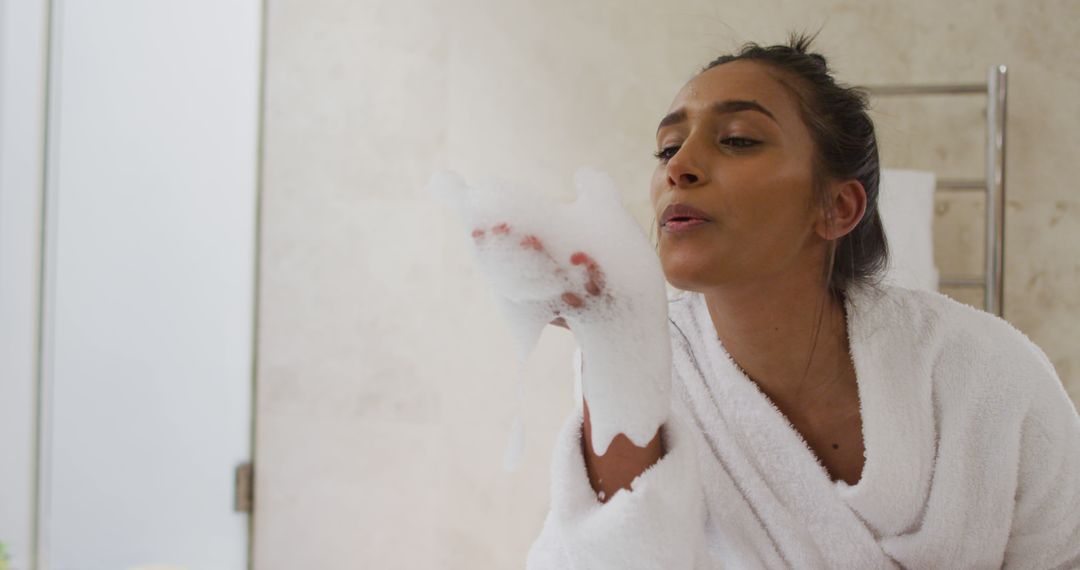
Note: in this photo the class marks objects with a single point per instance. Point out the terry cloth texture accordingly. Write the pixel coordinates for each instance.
(972, 458)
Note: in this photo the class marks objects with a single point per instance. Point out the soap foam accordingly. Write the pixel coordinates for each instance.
(589, 262)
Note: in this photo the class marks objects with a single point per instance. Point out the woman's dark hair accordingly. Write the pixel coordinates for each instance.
(845, 148)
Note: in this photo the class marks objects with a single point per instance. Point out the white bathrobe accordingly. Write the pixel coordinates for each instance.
(972, 458)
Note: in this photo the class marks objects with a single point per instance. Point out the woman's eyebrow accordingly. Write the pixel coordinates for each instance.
(718, 108)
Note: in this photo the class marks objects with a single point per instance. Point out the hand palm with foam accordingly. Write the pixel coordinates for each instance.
(586, 262)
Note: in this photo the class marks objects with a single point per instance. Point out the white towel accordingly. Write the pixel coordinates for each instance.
(906, 203)
(972, 458)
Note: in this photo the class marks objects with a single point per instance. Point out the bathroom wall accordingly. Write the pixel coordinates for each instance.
(386, 380)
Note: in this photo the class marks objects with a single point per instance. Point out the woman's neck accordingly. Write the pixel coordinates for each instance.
(769, 330)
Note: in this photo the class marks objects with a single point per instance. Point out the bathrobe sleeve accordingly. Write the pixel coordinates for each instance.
(659, 524)
(1045, 531)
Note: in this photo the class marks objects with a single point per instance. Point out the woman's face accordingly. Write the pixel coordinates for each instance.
(734, 147)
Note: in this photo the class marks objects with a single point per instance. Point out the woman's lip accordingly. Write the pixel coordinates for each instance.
(675, 226)
(682, 211)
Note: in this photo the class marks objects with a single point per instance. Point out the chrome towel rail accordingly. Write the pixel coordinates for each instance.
(994, 184)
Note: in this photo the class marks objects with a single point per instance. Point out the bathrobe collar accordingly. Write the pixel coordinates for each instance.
(893, 376)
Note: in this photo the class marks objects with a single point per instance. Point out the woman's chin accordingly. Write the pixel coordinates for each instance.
(687, 274)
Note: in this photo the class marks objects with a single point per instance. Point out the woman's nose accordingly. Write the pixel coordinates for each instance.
(683, 172)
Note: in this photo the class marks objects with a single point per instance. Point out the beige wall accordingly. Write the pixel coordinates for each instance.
(385, 377)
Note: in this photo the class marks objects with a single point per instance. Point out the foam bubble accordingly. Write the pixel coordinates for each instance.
(589, 262)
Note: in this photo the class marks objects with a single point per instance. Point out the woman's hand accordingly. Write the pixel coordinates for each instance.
(536, 280)
(586, 266)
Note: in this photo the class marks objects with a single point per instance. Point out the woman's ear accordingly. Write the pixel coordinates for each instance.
(847, 205)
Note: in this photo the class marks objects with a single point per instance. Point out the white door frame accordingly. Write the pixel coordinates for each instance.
(29, 105)
(24, 52)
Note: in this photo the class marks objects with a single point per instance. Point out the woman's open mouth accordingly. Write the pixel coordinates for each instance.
(680, 218)
(683, 224)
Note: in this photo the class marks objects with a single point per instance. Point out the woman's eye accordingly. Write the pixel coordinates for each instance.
(665, 154)
(739, 142)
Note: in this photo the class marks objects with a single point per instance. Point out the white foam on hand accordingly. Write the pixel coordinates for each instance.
(588, 262)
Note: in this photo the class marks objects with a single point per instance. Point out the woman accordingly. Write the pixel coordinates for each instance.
(819, 420)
